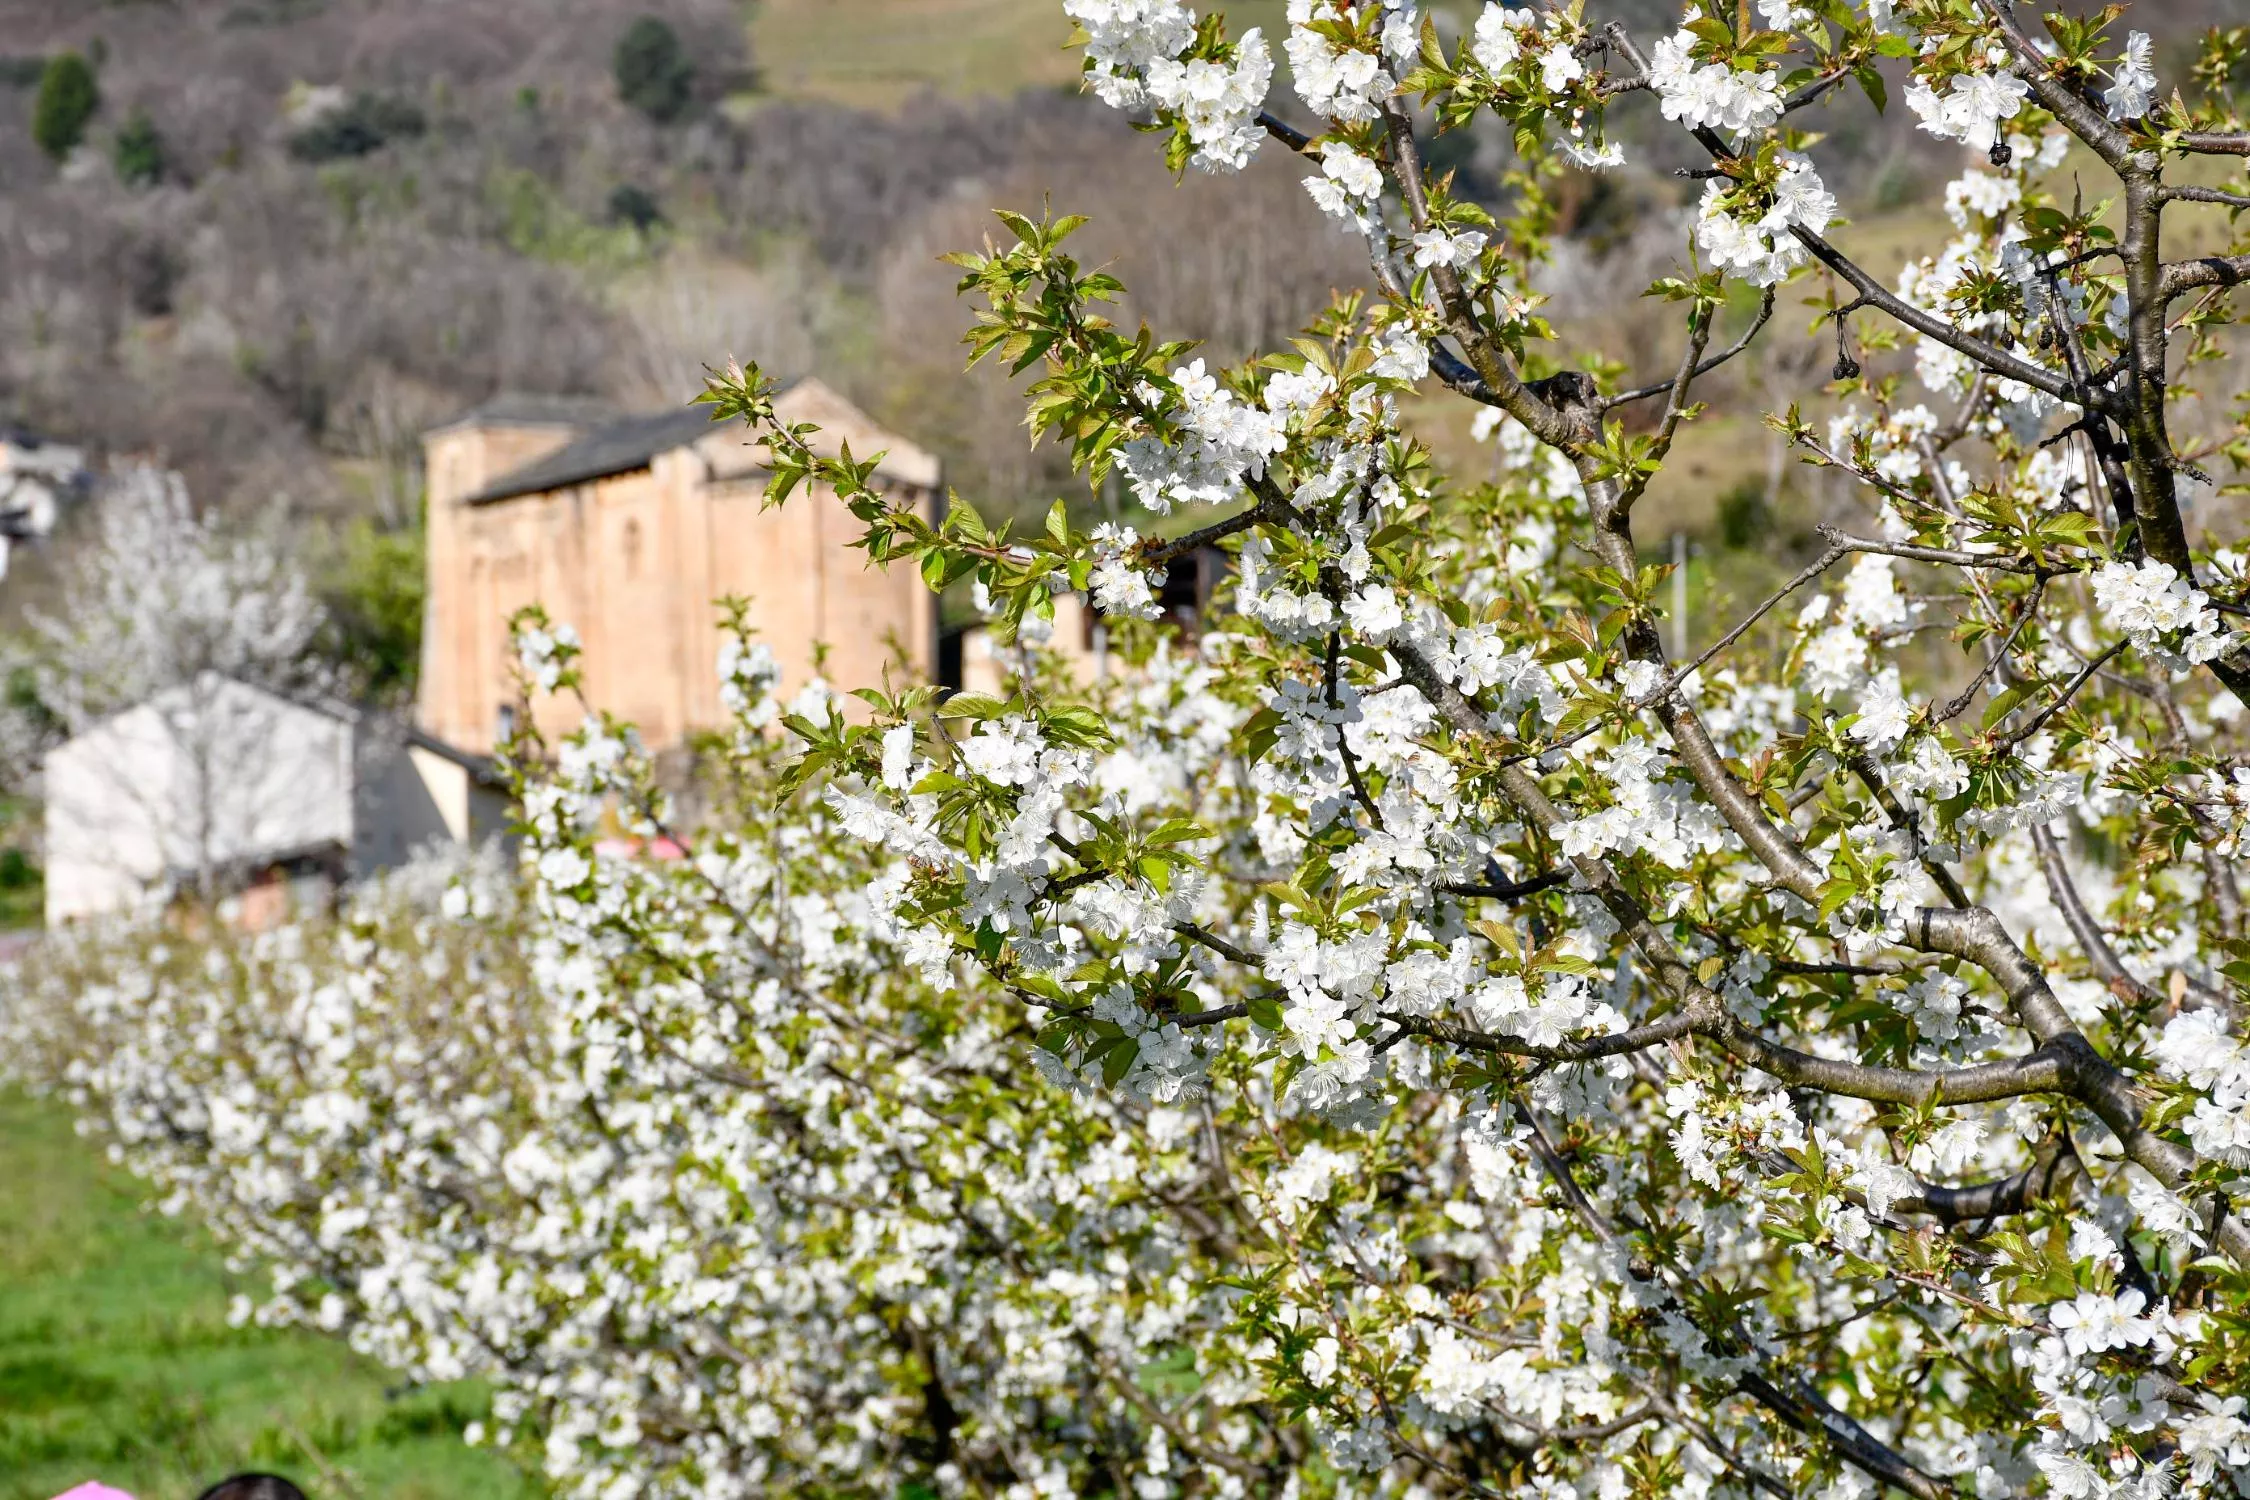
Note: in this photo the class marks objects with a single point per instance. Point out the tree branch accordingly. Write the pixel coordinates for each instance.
(1941, 555)
(1988, 354)
(1217, 944)
(2183, 276)
(1616, 1044)
(2070, 690)
(2052, 1173)
(1510, 890)
(1507, 390)
(1282, 131)
(1703, 368)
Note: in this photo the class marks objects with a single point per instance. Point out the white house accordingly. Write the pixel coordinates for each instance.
(223, 788)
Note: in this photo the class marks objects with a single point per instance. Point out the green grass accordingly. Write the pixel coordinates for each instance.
(117, 1364)
(880, 53)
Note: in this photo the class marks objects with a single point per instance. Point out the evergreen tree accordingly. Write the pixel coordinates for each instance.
(653, 71)
(68, 97)
(138, 152)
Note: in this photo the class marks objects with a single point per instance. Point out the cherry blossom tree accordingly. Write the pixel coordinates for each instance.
(1847, 1011)
(159, 596)
(1425, 1039)
(167, 608)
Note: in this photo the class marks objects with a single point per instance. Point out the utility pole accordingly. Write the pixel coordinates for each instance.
(1679, 596)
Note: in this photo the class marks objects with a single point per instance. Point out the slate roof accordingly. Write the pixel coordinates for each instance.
(616, 447)
(514, 409)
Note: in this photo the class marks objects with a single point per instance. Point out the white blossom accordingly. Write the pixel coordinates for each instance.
(2133, 81)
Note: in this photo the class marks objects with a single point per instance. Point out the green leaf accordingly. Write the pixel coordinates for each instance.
(972, 706)
(1119, 1060)
(2006, 703)
(1871, 83)
(1835, 893)
(1171, 1375)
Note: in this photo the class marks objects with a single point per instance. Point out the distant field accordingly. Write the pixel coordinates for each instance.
(879, 53)
(116, 1361)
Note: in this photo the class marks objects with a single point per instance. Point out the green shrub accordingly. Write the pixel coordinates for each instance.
(652, 70)
(138, 152)
(371, 582)
(1745, 519)
(23, 897)
(68, 97)
(365, 125)
(636, 206)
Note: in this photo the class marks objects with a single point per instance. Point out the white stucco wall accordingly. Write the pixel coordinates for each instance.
(218, 774)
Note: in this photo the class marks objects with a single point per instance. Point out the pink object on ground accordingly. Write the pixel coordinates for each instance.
(92, 1491)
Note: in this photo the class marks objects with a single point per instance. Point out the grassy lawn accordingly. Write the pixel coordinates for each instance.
(116, 1362)
(880, 53)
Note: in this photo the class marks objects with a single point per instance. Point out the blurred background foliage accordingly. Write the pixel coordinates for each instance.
(269, 242)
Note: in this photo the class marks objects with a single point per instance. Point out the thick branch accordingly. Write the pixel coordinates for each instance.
(2215, 142)
(1510, 890)
(1616, 1044)
(2188, 193)
(1804, 1410)
(1990, 355)
(1282, 131)
(2045, 1071)
(2049, 1176)
(2184, 276)
(2080, 115)
(1492, 367)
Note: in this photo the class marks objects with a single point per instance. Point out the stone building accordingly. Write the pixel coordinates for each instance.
(629, 529)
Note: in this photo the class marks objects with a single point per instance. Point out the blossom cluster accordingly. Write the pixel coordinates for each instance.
(1974, 105)
(1223, 439)
(1424, 1032)
(1757, 242)
(1699, 94)
(1135, 59)
(1347, 83)
(2149, 602)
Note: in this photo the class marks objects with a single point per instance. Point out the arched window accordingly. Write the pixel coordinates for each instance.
(632, 549)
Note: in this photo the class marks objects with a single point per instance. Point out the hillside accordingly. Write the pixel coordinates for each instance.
(368, 216)
(962, 48)
(297, 232)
